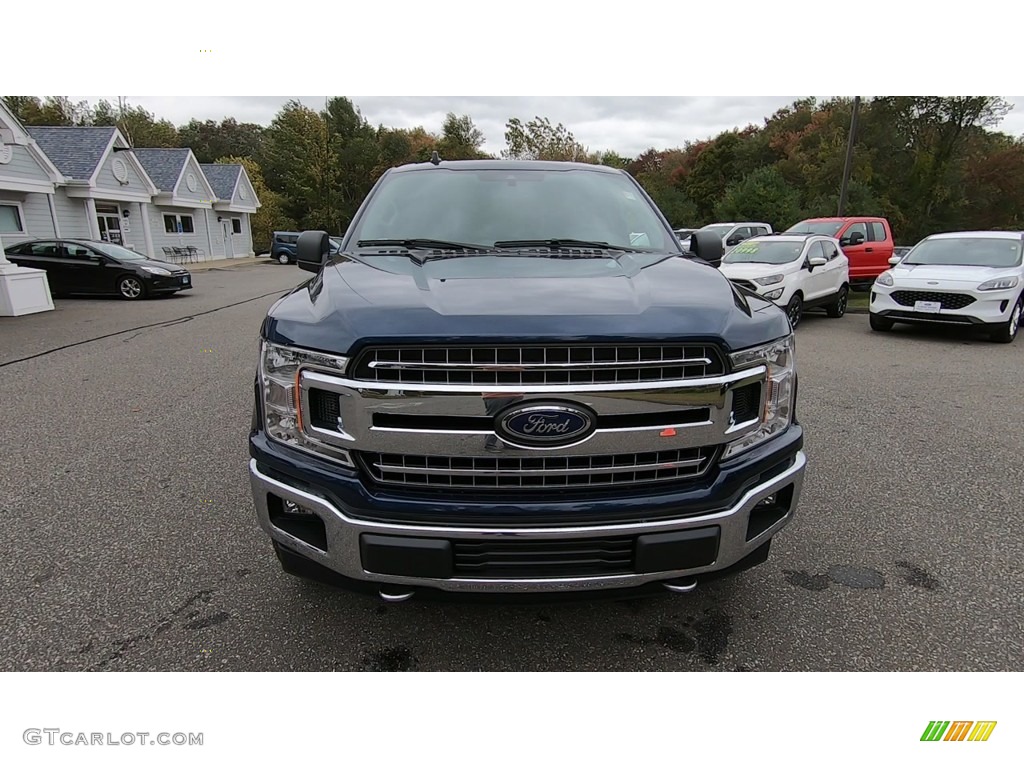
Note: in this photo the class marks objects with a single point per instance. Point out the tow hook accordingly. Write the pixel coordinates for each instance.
(680, 586)
(391, 594)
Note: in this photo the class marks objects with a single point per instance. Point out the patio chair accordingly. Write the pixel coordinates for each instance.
(169, 254)
(195, 254)
(181, 254)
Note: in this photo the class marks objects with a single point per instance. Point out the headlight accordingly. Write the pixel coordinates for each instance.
(280, 372)
(884, 279)
(999, 284)
(774, 294)
(156, 270)
(780, 359)
(770, 280)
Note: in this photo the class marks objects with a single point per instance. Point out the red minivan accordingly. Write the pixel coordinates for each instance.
(866, 241)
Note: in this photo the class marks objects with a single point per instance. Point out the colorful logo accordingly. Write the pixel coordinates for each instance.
(958, 730)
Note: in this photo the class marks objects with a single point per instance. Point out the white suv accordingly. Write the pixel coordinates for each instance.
(956, 278)
(735, 232)
(797, 272)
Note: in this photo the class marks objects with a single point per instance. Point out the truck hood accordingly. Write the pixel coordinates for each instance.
(352, 303)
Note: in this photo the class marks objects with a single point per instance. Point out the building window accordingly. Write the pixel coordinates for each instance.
(236, 226)
(12, 222)
(174, 225)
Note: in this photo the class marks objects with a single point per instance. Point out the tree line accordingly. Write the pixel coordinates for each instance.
(928, 164)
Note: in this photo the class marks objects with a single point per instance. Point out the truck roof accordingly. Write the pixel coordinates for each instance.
(980, 234)
(846, 218)
(505, 165)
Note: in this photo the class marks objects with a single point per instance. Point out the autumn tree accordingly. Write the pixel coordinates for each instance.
(209, 139)
(139, 126)
(270, 216)
(460, 139)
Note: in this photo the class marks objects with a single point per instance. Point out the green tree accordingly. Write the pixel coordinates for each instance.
(270, 216)
(209, 139)
(355, 157)
(460, 139)
(539, 140)
(139, 126)
(297, 160)
(52, 110)
(762, 195)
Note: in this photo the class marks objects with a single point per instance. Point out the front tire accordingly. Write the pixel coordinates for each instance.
(131, 288)
(1005, 333)
(838, 307)
(795, 309)
(282, 258)
(880, 323)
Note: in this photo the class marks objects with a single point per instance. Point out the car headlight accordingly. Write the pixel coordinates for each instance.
(774, 294)
(780, 359)
(884, 279)
(999, 284)
(770, 280)
(156, 270)
(280, 373)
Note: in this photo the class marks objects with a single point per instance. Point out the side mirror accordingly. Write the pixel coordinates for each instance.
(312, 250)
(817, 261)
(734, 240)
(855, 239)
(707, 246)
(894, 260)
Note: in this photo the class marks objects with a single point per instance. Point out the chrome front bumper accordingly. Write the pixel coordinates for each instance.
(344, 532)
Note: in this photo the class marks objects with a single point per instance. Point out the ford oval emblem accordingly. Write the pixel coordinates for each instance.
(546, 425)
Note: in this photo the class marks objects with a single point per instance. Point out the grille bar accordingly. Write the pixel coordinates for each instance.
(557, 558)
(536, 473)
(541, 364)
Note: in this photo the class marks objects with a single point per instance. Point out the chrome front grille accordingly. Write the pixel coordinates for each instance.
(533, 472)
(538, 364)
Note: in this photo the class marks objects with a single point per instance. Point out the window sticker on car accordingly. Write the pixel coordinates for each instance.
(745, 248)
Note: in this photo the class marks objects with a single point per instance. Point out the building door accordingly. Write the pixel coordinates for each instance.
(229, 247)
(109, 220)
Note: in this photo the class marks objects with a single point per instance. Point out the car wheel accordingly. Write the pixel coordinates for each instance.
(838, 307)
(795, 309)
(880, 323)
(1007, 332)
(282, 258)
(131, 288)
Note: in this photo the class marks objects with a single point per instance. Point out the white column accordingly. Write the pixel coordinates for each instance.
(147, 234)
(94, 226)
(53, 215)
(209, 234)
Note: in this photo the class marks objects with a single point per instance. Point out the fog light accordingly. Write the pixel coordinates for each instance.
(291, 508)
(768, 501)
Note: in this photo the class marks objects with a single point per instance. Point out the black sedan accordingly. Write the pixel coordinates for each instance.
(92, 267)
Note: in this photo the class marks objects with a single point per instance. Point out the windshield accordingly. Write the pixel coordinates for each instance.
(118, 252)
(484, 207)
(764, 252)
(719, 229)
(817, 227)
(966, 252)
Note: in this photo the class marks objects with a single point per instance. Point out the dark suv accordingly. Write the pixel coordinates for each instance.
(283, 245)
(513, 380)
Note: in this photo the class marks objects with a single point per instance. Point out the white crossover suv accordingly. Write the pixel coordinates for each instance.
(797, 272)
(955, 278)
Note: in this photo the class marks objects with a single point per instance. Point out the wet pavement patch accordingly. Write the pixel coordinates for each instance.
(852, 576)
(916, 576)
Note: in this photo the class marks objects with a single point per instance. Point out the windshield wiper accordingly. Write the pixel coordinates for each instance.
(564, 243)
(421, 243)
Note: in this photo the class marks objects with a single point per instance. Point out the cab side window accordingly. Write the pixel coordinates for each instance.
(858, 228)
(876, 232)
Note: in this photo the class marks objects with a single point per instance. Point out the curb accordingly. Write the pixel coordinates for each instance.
(220, 264)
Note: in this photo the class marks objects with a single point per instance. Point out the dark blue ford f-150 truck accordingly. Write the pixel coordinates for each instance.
(511, 379)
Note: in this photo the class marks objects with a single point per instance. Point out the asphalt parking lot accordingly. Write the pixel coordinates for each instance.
(130, 541)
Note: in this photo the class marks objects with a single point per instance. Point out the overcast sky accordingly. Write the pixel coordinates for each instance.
(627, 125)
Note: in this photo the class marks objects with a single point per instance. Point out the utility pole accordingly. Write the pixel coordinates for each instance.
(849, 155)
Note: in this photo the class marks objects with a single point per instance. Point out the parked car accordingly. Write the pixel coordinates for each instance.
(900, 251)
(530, 402)
(733, 233)
(94, 267)
(283, 244)
(684, 237)
(955, 278)
(798, 272)
(866, 241)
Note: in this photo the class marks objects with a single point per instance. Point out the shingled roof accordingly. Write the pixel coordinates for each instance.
(75, 150)
(222, 177)
(163, 165)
